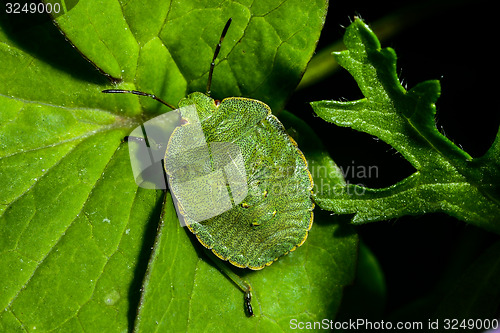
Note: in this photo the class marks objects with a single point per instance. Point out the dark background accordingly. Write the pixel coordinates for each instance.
(454, 42)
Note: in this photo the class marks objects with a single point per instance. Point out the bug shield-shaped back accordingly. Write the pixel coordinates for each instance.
(205, 180)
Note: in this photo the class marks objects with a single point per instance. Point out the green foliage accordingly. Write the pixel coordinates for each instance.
(446, 180)
(76, 232)
(82, 248)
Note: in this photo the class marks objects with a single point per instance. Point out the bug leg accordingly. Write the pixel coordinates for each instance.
(129, 138)
(139, 93)
(149, 143)
(248, 302)
(237, 280)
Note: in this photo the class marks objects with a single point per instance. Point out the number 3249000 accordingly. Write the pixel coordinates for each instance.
(32, 8)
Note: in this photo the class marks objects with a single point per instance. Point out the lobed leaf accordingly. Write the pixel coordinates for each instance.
(446, 180)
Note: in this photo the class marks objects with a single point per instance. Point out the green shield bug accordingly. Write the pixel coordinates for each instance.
(259, 167)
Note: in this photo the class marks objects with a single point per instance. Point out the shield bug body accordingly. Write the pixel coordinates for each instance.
(275, 213)
(275, 216)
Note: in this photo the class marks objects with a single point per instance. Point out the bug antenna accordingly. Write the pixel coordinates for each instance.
(216, 53)
(140, 93)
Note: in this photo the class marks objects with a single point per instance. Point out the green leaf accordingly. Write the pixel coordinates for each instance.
(75, 231)
(185, 292)
(369, 286)
(446, 180)
(160, 48)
